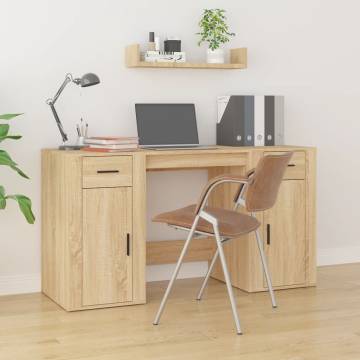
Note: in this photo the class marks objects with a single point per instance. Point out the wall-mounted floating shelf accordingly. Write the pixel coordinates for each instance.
(238, 60)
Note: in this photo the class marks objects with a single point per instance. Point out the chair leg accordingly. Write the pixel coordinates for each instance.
(265, 267)
(175, 273)
(227, 280)
(207, 276)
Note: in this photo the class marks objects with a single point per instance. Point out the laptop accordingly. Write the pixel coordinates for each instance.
(167, 126)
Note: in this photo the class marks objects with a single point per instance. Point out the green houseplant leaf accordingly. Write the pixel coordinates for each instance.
(213, 28)
(25, 206)
(20, 172)
(5, 159)
(9, 116)
(4, 131)
(2, 198)
(23, 201)
(13, 137)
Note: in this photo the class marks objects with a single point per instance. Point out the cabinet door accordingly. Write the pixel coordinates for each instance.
(284, 235)
(107, 261)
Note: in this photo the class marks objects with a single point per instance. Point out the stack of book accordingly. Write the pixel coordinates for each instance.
(162, 56)
(111, 144)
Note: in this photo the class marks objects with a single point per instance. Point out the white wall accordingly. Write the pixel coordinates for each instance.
(306, 50)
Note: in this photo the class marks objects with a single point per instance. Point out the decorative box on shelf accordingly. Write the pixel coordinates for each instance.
(238, 60)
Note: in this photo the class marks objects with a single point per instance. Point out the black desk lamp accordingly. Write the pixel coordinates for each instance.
(85, 81)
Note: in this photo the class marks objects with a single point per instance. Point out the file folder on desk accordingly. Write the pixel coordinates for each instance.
(250, 120)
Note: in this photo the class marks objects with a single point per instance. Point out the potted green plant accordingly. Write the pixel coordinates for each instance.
(215, 31)
(5, 159)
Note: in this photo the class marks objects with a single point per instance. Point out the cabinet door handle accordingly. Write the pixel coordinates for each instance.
(128, 244)
(291, 165)
(268, 234)
(107, 171)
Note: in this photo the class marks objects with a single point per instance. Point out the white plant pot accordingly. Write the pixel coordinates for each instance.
(215, 56)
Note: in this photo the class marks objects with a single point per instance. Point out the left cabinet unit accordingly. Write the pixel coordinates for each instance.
(93, 243)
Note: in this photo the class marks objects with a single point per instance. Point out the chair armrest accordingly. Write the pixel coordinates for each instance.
(249, 174)
(212, 183)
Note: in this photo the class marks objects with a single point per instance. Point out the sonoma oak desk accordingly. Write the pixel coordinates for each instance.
(94, 248)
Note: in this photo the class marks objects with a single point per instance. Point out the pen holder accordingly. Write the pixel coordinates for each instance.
(80, 140)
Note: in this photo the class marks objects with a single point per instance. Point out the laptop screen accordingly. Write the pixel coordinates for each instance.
(166, 124)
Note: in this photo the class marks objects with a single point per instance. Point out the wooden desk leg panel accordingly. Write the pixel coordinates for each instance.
(311, 216)
(139, 228)
(237, 251)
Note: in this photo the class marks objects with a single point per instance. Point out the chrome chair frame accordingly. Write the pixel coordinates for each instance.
(240, 201)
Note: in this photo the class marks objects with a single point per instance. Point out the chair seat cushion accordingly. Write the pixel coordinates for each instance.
(231, 223)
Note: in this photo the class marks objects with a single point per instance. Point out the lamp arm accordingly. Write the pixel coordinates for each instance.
(58, 123)
(51, 103)
(68, 78)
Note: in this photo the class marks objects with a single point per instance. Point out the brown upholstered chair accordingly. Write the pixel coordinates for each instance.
(257, 192)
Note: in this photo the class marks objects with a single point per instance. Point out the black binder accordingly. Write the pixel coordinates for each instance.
(236, 124)
(248, 120)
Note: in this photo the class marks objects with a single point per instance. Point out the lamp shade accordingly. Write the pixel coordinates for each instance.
(89, 79)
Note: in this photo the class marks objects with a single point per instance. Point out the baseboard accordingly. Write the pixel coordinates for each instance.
(336, 256)
(20, 284)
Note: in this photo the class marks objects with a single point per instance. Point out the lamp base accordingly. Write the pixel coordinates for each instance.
(71, 147)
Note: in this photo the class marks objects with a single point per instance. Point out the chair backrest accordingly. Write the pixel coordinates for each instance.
(261, 193)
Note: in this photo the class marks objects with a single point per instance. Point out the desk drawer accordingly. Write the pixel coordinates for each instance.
(297, 165)
(197, 160)
(107, 171)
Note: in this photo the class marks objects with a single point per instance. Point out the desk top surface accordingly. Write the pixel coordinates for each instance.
(218, 150)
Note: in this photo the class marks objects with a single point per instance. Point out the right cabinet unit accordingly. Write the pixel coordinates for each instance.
(288, 232)
(284, 235)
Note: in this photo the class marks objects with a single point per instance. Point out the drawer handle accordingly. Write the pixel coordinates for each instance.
(127, 244)
(107, 171)
(268, 234)
(291, 165)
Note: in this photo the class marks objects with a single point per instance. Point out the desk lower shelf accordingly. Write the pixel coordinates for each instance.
(168, 251)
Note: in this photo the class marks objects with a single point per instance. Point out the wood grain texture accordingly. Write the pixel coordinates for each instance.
(237, 250)
(107, 171)
(132, 55)
(197, 160)
(297, 165)
(107, 227)
(311, 324)
(139, 228)
(62, 218)
(242, 254)
(62, 228)
(72, 207)
(284, 236)
(239, 56)
(217, 149)
(238, 60)
(52, 274)
(62, 238)
(311, 222)
(168, 251)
